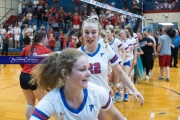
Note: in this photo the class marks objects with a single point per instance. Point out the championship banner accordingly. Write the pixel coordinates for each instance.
(93, 2)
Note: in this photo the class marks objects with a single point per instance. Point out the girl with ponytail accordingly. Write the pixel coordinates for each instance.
(31, 92)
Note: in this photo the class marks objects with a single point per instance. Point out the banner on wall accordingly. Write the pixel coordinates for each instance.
(105, 6)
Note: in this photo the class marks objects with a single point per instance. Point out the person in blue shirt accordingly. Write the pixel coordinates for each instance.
(174, 50)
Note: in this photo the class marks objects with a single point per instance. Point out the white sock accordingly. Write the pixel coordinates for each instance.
(29, 111)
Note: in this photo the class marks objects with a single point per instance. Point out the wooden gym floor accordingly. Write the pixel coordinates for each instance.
(161, 98)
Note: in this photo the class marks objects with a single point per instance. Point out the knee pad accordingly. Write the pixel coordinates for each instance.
(29, 106)
(117, 85)
(111, 84)
(29, 111)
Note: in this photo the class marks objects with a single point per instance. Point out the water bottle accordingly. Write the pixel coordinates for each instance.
(151, 117)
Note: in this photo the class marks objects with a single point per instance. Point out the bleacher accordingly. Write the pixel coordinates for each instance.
(68, 6)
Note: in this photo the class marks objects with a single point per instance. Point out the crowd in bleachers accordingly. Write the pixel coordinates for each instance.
(166, 4)
(38, 14)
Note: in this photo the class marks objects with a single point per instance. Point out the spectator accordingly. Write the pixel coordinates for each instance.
(61, 39)
(5, 44)
(135, 7)
(34, 27)
(2, 32)
(164, 52)
(65, 42)
(51, 42)
(30, 30)
(10, 36)
(39, 16)
(69, 21)
(76, 21)
(174, 51)
(26, 39)
(17, 32)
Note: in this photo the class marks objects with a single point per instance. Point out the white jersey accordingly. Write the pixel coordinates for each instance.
(133, 42)
(126, 47)
(98, 62)
(100, 41)
(116, 45)
(55, 104)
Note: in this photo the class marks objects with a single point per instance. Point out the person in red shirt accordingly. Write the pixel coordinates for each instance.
(73, 41)
(56, 1)
(113, 19)
(76, 21)
(61, 39)
(65, 42)
(61, 11)
(56, 18)
(118, 22)
(43, 2)
(51, 31)
(53, 10)
(104, 21)
(31, 92)
(50, 19)
(51, 42)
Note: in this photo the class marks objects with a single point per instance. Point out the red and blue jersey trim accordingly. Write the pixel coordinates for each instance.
(40, 115)
(119, 45)
(107, 104)
(114, 59)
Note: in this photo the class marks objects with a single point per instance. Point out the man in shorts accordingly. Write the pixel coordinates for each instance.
(164, 52)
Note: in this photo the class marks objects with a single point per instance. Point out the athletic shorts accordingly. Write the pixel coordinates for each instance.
(17, 37)
(164, 61)
(76, 27)
(24, 82)
(127, 64)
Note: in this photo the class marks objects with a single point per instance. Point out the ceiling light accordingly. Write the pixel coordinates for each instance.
(166, 24)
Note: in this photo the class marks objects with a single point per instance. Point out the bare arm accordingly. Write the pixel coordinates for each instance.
(158, 48)
(123, 54)
(114, 114)
(126, 80)
(140, 52)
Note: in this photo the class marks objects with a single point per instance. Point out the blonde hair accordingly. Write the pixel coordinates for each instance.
(127, 33)
(102, 33)
(105, 39)
(116, 33)
(145, 34)
(92, 20)
(48, 75)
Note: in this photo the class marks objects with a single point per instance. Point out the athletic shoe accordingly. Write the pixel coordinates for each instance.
(161, 78)
(126, 98)
(116, 95)
(167, 79)
(175, 66)
(113, 100)
(120, 96)
(147, 77)
(150, 72)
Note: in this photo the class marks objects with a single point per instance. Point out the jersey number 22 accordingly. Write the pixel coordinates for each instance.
(95, 68)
